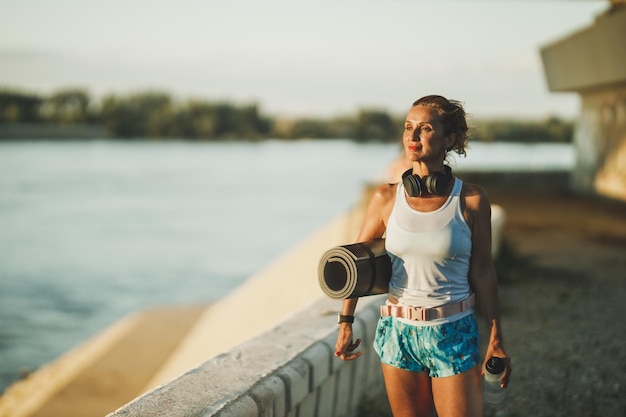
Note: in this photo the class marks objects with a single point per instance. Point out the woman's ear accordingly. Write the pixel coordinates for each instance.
(450, 141)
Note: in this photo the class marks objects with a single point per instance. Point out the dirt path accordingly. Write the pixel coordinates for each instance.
(562, 277)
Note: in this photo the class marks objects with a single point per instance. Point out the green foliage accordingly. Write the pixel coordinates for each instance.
(552, 129)
(67, 106)
(155, 114)
(367, 126)
(19, 107)
(138, 115)
(310, 128)
(376, 125)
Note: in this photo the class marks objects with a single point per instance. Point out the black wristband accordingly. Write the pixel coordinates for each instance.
(345, 319)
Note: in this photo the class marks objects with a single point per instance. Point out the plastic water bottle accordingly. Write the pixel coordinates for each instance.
(492, 392)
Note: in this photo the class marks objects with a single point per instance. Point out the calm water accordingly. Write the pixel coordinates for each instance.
(92, 231)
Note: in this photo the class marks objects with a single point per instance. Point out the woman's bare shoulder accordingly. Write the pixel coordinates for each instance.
(385, 193)
(475, 200)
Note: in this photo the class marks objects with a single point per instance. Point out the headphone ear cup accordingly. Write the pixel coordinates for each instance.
(412, 184)
(434, 183)
(437, 182)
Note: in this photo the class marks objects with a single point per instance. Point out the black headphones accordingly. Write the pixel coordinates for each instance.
(435, 183)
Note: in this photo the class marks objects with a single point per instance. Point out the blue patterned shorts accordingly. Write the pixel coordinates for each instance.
(441, 350)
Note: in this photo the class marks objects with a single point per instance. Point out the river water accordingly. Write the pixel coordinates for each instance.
(91, 231)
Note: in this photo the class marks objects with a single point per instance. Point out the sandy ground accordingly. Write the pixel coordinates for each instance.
(562, 273)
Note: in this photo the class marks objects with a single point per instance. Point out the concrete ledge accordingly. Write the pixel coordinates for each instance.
(289, 370)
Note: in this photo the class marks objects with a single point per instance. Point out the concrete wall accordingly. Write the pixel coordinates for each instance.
(592, 62)
(600, 139)
(290, 370)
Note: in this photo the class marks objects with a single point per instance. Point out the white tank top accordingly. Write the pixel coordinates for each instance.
(430, 254)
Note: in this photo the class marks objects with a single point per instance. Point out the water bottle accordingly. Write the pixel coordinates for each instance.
(492, 392)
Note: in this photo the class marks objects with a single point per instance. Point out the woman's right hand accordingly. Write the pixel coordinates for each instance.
(344, 348)
(374, 225)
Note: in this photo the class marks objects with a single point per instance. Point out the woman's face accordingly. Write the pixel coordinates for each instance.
(423, 137)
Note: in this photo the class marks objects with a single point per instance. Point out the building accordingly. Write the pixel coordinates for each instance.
(592, 63)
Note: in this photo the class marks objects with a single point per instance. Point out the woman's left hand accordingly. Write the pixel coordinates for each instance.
(499, 353)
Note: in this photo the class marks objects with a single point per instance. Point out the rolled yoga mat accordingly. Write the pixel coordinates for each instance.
(355, 270)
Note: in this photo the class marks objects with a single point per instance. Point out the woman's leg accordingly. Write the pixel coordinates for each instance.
(459, 395)
(409, 393)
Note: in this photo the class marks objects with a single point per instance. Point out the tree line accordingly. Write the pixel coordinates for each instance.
(156, 114)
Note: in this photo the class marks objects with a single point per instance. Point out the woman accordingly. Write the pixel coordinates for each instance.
(438, 236)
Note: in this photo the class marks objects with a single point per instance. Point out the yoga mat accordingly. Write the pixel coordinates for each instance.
(355, 270)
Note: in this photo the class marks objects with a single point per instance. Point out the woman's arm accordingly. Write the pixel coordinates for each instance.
(374, 225)
(482, 272)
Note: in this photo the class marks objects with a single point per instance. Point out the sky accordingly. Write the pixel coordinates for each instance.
(318, 58)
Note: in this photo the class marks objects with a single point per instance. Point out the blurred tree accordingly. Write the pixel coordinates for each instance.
(560, 130)
(19, 107)
(67, 106)
(552, 129)
(114, 117)
(342, 127)
(153, 112)
(249, 124)
(146, 114)
(196, 120)
(244, 122)
(310, 128)
(375, 125)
